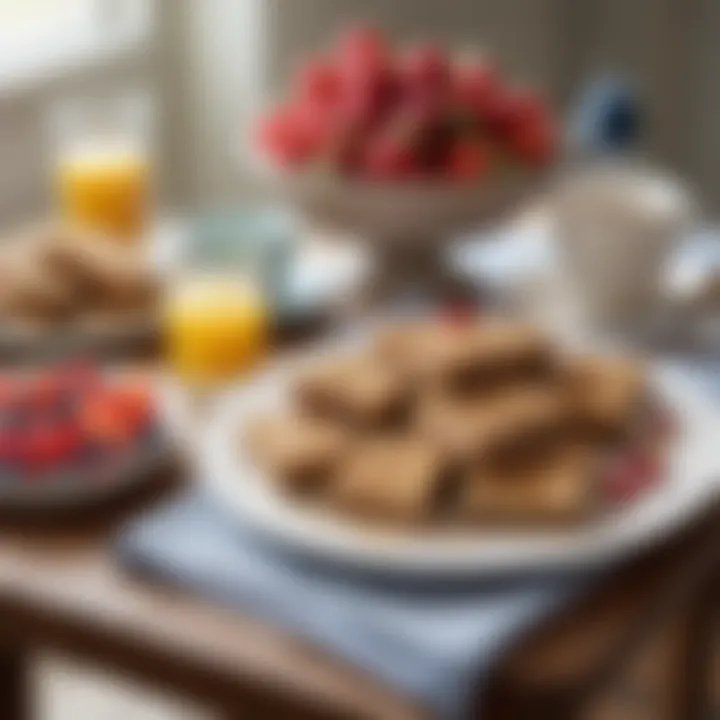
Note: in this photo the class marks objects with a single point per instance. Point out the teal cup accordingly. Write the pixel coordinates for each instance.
(257, 242)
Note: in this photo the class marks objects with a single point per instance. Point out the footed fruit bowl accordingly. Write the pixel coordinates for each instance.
(407, 226)
(404, 149)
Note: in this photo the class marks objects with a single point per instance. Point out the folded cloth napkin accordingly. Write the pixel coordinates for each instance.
(433, 641)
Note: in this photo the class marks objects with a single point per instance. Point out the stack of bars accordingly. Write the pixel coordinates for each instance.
(455, 423)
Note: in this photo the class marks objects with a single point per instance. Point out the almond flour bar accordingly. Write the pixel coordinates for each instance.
(466, 356)
(392, 478)
(607, 395)
(559, 487)
(301, 454)
(358, 393)
(511, 423)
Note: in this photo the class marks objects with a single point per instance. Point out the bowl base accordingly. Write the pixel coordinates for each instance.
(402, 268)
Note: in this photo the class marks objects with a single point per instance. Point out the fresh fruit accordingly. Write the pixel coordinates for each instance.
(426, 69)
(632, 474)
(319, 83)
(459, 313)
(388, 158)
(475, 87)
(292, 134)
(366, 110)
(363, 49)
(468, 161)
(50, 419)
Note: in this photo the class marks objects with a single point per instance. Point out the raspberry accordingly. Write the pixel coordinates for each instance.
(534, 142)
(425, 67)
(475, 89)
(363, 48)
(319, 83)
(468, 161)
(293, 134)
(387, 157)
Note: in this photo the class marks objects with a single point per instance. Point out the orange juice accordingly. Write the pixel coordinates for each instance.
(215, 329)
(105, 189)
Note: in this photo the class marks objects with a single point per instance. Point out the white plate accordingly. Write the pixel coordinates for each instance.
(693, 480)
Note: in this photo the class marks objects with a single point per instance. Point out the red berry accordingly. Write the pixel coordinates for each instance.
(425, 67)
(363, 48)
(99, 420)
(367, 77)
(45, 391)
(468, 160)
(50, 446)
(319, 83)
(475, 88)
(8, 452)
(342, 147)
(7, 390)
(459, 313)
(387, 157)
(534, 142)
(134, 404)
(632, 474)
(293, 134)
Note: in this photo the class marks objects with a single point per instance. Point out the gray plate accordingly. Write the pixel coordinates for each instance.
(69, 490)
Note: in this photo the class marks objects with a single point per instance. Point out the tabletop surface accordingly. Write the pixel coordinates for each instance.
(60, 587)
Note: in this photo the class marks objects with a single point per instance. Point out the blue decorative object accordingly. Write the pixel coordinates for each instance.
(607, 118)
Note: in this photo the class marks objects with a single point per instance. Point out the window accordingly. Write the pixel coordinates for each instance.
(42, 36)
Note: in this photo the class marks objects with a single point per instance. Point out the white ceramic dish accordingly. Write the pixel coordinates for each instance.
(693, 479)
(407, 226)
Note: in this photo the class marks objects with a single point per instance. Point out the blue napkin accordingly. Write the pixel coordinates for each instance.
(433, 641)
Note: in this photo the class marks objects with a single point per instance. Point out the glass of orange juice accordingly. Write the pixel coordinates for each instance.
(102, 165)
(216, 328)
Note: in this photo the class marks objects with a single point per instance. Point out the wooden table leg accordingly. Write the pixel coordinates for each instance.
(14, 684)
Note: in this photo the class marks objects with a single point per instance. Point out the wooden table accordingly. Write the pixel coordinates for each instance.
(59, 588)
(636, 647)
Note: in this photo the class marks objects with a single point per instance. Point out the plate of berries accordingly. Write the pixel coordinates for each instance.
(72, 435)
(405, 147)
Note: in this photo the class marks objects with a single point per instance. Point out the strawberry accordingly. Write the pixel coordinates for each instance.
(319, 83)
(79, 374)
(534, 142)
(468, 160)
(388, 158)
(632, 474)
(367, 77)
(293, 133)
(7, 391)
(425, 68)
(44, 391)
(475, 89)
(134, 404)
(459, 313)
(364, 49)
(8, 450)
(51, 446)
(100, 420)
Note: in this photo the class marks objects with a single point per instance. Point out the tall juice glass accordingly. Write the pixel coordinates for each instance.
(102, 166)
(216, 329)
